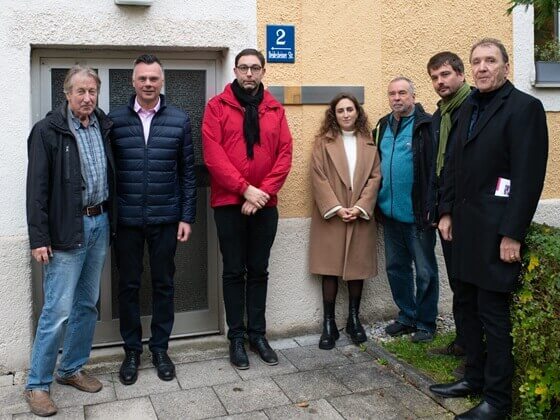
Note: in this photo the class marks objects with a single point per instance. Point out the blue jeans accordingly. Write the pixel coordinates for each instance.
(405, 245)
(71, 289)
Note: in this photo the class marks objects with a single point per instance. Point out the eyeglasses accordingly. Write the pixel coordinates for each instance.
(254, 69)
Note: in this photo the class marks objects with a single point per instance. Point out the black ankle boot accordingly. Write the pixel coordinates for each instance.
(330, 331)
(353, 325)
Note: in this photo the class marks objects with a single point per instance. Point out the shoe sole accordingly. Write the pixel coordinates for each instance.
(39, 413)
(122, 381)
(254, 350)
(61, 381)
(239, 367)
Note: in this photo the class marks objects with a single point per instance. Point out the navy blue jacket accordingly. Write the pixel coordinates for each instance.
(155, 181)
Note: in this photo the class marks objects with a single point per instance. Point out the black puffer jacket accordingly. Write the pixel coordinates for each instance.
(54, 182)
(155, 181)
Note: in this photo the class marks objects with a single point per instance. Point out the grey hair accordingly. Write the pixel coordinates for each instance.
(485, 42)
(79, 69)
(411, 88)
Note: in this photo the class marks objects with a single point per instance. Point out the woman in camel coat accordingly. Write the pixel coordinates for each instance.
(345, 179)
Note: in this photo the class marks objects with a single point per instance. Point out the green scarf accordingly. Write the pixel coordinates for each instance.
(446, 108)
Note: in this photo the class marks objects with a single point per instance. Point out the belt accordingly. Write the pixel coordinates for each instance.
(94, 210)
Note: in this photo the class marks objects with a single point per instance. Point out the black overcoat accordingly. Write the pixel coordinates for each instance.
(510, 141)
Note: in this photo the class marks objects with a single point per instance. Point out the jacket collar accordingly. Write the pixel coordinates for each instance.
(162, 103)
(335, 149)
(59, 118)
(495, 104)
(268, 102)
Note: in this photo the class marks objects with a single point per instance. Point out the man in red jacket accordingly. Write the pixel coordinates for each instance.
(247, 149)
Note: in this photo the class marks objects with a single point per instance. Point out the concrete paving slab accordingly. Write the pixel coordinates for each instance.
(414, 400)
(260, 369)
(310, 385)
(312, 357)
(316, 409)
(283, 343)
(148, 383)
(12, 401)
(68, 413)
(354, 353)
(254, 415)
(247, 396)
(9, 417)
(307, 340)
(192, 404)
(361, 377)
(206, 373)
(133, 409)
(68, 396)
(372, 405)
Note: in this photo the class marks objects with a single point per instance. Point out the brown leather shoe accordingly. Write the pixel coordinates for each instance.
(450, 350)
(40, 402)
(82, 381)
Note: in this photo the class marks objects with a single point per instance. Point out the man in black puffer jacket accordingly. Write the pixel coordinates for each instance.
(156, 200)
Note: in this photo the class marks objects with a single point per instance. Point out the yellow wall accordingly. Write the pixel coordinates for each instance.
(367, 43)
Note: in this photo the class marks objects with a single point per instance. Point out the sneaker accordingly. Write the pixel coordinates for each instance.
(40, 402)
(82, 381)
(422, 336)
(452, 349)
(396, 329)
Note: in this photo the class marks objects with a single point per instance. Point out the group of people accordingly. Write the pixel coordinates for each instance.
(474, 171)
(129, 177)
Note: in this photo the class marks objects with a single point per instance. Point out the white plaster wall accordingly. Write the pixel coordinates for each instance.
(547, 212)
(294, 302)
(226, 25)
(523, 54)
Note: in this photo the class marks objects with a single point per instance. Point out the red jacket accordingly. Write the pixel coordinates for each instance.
(225, 151)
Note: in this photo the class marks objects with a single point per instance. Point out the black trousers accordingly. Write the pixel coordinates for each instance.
(245, 243)
(487, 328)
(129, 245)
(459, 303)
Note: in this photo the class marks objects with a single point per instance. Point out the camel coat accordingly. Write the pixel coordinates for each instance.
(347, 250)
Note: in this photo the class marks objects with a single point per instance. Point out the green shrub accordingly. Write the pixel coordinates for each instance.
(536, 327)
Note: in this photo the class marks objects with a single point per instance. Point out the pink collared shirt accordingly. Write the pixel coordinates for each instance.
(146, 116)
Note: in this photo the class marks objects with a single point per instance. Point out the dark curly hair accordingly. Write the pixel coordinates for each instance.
(329, 127)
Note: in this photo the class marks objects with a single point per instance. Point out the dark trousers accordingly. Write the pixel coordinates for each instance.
(162, 244)
(245, 243)
(458, 300)
(487, 329)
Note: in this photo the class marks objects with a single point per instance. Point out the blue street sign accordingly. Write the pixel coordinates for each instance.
(280, 44)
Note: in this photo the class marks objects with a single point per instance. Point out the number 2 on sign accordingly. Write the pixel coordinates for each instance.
(280, 35)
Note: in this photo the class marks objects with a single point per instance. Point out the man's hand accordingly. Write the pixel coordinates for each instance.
(42, 254)
(256, 197)
(183, 232)
(510, 250)
(444, 227)
(248, 208)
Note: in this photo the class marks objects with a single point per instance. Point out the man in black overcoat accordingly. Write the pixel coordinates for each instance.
(492, 188)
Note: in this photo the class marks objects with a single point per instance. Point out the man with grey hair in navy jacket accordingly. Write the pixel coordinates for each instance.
(156, 196)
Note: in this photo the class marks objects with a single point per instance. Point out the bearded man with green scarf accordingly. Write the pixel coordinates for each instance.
(446, 71)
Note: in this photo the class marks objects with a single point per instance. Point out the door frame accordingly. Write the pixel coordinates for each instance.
(42, 60)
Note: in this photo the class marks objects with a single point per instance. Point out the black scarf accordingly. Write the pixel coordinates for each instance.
(250, 103)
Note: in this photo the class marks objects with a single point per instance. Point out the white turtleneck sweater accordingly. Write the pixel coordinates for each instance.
(350, 142)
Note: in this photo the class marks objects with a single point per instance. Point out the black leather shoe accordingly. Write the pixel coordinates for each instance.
(457, 389)
(164, 365)
(483, 411)
(330, 331)
(128, 373)
(260, 346)
(353, 325)
(237, 355)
